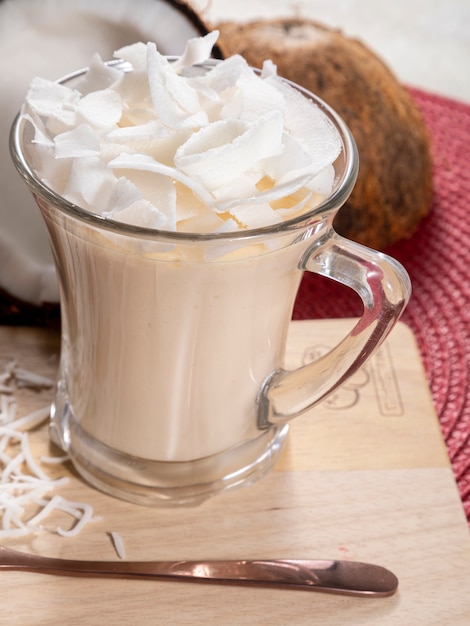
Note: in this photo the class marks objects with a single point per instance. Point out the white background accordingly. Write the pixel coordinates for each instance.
(425, 42)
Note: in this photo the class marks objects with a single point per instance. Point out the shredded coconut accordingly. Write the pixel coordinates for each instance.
(118, 544)
(25, 378)
(32, 420)
(54, 460)
(25, 487)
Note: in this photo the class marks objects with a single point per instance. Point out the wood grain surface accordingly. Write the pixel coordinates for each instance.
(364, 475)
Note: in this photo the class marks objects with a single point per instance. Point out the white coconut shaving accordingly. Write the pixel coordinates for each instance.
(25, 488)
(153, 145)
(25, 492)
(118, 544)
(22, 377)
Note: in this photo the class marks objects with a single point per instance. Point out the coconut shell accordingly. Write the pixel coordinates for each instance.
(394, 186)
(51, 39)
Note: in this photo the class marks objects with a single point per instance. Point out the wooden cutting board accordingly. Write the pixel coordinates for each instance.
(364, 476)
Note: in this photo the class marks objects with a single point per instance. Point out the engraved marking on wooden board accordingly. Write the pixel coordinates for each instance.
(346, 430)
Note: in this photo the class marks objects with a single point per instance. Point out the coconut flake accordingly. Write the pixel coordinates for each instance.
(82, 510)
(134, 54)
(306, 122)
(100, 183)
(47, 507)
(254, 217)
(8, 406)
(197, 50)
(295, 209)
(175, 101)
(21, 491)
(31, 420)
(217, 134)
(218, 85)
(148, 164)
(24, 484)
(32, 380)
(140, 213)
(53, 101)
(98, 76)
(11, 467)
(54, 460)
(118, 544)
(323, 182)
(102, 108)
(30, 460)
(274, 194)
(253, 98)
(124, 194)
(81, 141)
(226, 149)
(139, 133)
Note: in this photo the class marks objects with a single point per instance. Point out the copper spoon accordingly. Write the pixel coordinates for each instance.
(344, 577)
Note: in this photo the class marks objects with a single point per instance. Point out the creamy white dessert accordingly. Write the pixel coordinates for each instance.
(165, 357)
(166, 342)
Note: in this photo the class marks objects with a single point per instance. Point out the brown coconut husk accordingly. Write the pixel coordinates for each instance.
(394, 186)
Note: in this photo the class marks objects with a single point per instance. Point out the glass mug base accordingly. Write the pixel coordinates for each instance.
(161, 483)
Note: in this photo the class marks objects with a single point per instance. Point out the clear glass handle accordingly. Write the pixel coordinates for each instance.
(384, 287)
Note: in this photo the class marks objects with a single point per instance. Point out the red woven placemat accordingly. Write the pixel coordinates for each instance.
(437, 258)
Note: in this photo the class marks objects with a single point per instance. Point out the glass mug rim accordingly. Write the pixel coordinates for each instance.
(342, 187)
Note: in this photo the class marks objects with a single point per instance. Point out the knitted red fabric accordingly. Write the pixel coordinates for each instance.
(437, 258)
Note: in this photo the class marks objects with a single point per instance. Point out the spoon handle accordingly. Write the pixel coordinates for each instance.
(344, 577)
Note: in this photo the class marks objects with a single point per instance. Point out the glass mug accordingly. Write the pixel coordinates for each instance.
(171, 385)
